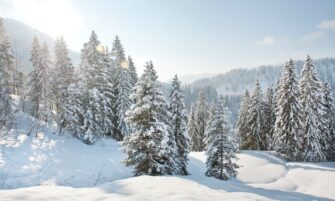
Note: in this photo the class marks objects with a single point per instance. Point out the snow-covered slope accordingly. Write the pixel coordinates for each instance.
(51, 167)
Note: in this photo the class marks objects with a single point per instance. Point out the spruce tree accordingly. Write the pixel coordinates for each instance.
(39, 85)
(287, 134)
(328, 117)
(220, 151)
(6, 74)
(150, 148)
(63, 77)
(201, 116)
(179, 125)
(122, 86)
(270, 118)
(242, 122)
(92, 83)
(256, 120)
(46, 94)
(310, 100)
(192, 129)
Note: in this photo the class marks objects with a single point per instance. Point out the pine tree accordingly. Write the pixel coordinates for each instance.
(132, 71)
(256, 137)
(328, 117)
(39, 85)
(150, 148)
(242, 122)
(311, 114)
(6, 73)
(270, 118)
(92, 83)
(179, 127)
(201, 116)
(220, 152)
(45, 110)
(73, 111)
(122, 86)
(62, 77)
(192, 128)
(287, 134)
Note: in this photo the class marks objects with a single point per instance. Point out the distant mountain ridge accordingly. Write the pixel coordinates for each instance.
(21, 36)
(233, 84)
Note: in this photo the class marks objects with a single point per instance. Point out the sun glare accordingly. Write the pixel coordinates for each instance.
(54, 17)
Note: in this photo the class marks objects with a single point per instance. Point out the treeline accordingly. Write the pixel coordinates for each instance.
(295, 118)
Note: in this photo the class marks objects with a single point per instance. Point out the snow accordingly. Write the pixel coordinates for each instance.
(51, 167)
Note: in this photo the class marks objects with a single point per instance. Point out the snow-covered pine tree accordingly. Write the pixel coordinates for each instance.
(92, 83)
(192, 128)
(211, 108)
(270, 118)
(220, 151)
(6, 74)
(287, 134)
(329, 121)
(63, 76)
(122, 88)
(201, 116)
(310, 100)
(179, 125)
(108, 93)
(44, 76)
(256, 136)
(73, 111)
(242, 122)
(150, 148)
(38, 93)
(132, 71)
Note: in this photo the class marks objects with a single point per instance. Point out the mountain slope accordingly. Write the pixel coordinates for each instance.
(21, 36)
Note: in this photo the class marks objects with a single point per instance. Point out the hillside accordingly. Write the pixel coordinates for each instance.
(234, 83)
(21, 36)
(46, 166)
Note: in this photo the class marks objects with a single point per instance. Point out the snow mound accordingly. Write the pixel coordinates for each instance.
(45, 158)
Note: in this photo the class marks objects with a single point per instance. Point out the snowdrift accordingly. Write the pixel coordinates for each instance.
(46, 166)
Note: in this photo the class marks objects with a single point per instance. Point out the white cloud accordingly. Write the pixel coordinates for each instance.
(313, 36)
(271, 40)
(327, 24)
(268, 40)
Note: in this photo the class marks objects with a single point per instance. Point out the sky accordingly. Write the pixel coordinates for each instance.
(190, 36)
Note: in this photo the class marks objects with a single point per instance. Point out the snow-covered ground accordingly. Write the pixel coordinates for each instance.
(51, 167)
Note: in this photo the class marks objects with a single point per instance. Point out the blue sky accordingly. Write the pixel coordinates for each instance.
(191, 36)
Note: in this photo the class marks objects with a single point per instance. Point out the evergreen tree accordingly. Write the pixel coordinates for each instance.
(256, 137)
(270, 118)
(310, 100)
(45, 110)
(179, 127)
(92, 83)
(287, 135)
(328, 117)
(73, 111)
(39, 85)
(122, 86)
(242, 122)
(6, 73)
(150, 148)
(62, 77)
(192, 128)
(201, 117)
(220, 152)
